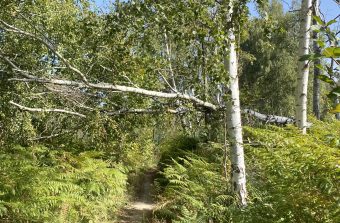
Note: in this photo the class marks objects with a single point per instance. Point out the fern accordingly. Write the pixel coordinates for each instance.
(38, 184)
(195, 187)
(291, 178)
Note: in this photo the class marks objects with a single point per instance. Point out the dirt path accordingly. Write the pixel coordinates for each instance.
(140, 210)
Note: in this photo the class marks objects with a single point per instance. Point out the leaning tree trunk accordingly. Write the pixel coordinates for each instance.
(316, 81)
(302, 81)
(238, 172)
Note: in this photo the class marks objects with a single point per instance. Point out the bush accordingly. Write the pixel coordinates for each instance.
(175, 147)
(42, 185)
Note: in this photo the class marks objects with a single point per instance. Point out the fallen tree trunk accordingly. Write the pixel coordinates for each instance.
(272, 119)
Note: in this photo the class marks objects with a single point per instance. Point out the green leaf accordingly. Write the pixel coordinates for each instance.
(336, 109)
(321, 43)
(319, 66)
(331, 22)
(329, 70)
(336, 90)
(306, 57)
(331, 52)
(326, 79)
(316, 28)
(318, 20)
(309, 57)
(334, 93)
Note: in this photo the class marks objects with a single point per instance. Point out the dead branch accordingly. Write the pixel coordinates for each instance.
(24, 108)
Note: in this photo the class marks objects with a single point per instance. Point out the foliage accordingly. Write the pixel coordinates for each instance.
(196, 192)
(291, 178)
(42, 185)
(268, 61)
(68, 169)
(176, 146)
(328, 42)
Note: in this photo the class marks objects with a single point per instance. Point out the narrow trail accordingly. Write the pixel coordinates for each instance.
(140, 210)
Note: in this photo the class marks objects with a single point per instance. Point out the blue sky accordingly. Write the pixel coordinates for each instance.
(328, 7)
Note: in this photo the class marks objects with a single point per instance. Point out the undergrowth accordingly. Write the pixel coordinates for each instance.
(42, 185)
(291, 178)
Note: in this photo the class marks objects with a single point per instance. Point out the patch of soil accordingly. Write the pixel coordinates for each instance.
(139, 210)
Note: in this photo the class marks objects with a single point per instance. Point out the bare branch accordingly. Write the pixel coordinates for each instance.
(107, 86)
(46, 110)
(16, 68)
(174, 90)
(143, 111)
(49, 136)
(168, 51)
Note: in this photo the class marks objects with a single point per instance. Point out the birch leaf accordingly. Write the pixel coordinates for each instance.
(331, 52)
(318, 20)
(331, 22)
(326, 79)
(309, 57)
(336, 109)
(321, 43)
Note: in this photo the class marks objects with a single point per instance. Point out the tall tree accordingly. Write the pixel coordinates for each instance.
(238, 171)
(302, 80)
(268, 61)
(317, 62)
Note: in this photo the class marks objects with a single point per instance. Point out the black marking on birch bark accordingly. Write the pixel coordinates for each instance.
(235, 168)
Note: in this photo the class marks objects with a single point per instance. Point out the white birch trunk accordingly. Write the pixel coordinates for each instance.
(238, 172)
(302, 81)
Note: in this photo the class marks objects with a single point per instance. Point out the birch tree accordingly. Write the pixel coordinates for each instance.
(302, 80)
(238, 172)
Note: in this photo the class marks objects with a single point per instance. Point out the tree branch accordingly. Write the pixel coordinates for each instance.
(105, 86)
(144, 111)
(47, 110)
(49, 136)
(85, 82)
(9, 28)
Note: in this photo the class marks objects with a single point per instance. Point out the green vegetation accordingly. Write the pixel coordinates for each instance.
(291, 178)
(92, 101)
(38, 184)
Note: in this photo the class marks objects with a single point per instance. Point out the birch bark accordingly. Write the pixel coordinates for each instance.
(238, 172)
(302, 80)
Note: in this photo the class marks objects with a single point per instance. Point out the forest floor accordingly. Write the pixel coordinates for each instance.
(139, 209)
